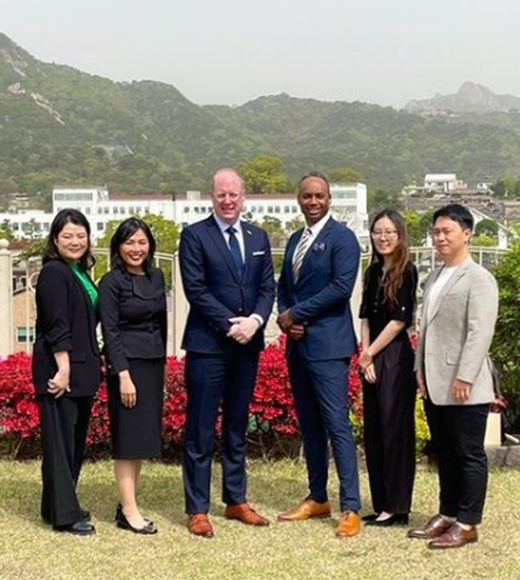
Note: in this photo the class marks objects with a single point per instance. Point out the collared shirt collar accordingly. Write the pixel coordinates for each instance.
(318, 226)
(223, 226)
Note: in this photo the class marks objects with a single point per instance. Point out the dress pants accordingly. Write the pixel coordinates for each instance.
(458, 433)
(320, 396)
(389, 431)
(64, 424)
(210, 379)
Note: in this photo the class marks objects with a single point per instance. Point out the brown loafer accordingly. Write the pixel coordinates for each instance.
(455, 537)
(246, 514)
(349, 524)
(306, 510)
(434, 528)
(200, 525)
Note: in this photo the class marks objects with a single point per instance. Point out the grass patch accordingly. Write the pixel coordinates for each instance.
(307, 550)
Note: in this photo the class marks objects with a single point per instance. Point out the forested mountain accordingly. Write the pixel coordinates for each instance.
(59, 125)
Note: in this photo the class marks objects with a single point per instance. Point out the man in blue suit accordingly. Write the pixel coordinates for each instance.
(227, 275)
(318, 275)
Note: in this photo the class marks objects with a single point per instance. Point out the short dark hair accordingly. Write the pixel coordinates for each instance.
(125, 230)
(61, 219)
(317, 174)
(457, 213)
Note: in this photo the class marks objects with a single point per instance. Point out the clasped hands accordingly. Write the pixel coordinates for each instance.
(59, 384)
(366, 364)
(287, 325)
(243, 328)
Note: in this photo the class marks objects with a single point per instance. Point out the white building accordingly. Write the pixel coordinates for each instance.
(349, 206)
(444, 182)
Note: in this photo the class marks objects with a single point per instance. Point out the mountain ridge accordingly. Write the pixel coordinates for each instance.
(58, 124)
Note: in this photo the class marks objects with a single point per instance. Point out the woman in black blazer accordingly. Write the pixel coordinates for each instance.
(132, 303)
(65, 366)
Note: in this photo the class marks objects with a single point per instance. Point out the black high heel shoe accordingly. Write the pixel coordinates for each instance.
(370, 517)
(124, 524)
(394, 520)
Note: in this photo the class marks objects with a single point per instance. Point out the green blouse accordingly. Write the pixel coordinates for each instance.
(87, 283)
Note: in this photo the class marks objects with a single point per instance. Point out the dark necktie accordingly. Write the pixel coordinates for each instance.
(236, 254)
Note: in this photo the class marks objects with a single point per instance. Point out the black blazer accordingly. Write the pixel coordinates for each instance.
(133, 317)
(66, 320)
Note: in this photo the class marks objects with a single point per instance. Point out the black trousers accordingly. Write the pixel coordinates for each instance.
(64, 425)
(389, 433)
(458, 433)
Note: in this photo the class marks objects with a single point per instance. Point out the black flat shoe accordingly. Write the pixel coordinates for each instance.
(119, 513)
(124, 524)
(81, 528)
(370, 517)
(85, 515)
(395, 520)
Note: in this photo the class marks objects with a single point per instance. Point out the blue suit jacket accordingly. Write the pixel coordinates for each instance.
(214, 290)
(321, 298)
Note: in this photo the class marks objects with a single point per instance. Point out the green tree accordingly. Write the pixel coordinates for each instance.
(487, 227)
(483, 240)
(295, 224)
(505, 349)
(425, 223)
(165, 232)
(345, 175)
(6, 233)
(383, 199)
(264, 174)
(413, 226)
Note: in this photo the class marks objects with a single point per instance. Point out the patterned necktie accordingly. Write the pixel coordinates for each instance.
(299, 253)
(236, 254)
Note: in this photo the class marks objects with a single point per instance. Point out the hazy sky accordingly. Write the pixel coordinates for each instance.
(231, 51)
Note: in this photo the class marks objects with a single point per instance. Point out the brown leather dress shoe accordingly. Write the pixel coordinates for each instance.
(306, 510)
(434, 528)
(349, 524)
(246, 514)
(200, 525)
(455, 537)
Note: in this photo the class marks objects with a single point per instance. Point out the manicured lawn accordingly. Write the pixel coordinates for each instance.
(30, 550)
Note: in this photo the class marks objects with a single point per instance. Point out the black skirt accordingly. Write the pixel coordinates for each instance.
(136, 432)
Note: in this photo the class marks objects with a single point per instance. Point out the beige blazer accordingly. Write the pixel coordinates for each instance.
(454, 340)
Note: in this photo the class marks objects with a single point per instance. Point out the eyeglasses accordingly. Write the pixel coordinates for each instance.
(384, 233)
(223, 196)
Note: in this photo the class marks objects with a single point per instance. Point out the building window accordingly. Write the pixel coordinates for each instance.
(286, 209)
(24, 334)
(115, 210)
(277, 209)
(100, 226)
(294, 209)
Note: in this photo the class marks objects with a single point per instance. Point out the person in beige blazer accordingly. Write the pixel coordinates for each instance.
(454, 375)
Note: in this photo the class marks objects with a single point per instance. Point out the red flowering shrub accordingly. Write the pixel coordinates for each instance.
(272, 418)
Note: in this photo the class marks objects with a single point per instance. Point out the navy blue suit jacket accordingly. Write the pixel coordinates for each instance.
(321, 297)
(214, 290)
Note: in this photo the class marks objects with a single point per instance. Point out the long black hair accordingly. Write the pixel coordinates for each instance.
(401, 257)
(126, 230)
(62, 218)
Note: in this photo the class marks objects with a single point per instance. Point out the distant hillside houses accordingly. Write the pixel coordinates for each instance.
(349, 206)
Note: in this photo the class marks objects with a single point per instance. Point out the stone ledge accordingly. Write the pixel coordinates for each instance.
(503, 455)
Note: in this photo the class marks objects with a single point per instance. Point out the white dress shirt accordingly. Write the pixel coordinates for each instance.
(239, 234)
(315, 232)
